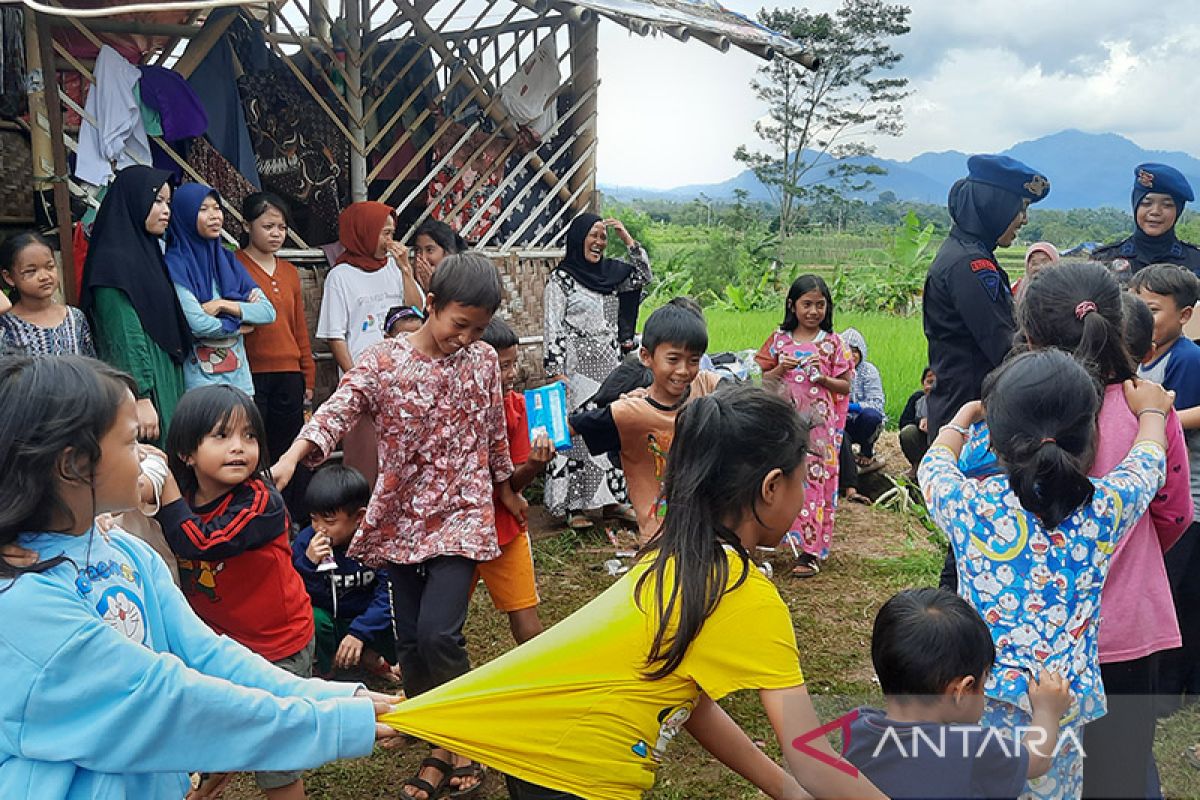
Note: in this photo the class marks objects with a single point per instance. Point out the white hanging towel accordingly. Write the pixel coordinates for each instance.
(526, 95)
(117, 139)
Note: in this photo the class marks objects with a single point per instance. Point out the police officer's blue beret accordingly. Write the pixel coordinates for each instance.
(1009, 174)
(1161, 179)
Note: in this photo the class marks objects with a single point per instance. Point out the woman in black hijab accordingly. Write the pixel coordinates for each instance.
(591, 307)
(1159, 194)
(127, 293)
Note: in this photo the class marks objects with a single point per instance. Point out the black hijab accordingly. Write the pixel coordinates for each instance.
(1164, 247)
(982, 211)
(123, 255)
(603, 277)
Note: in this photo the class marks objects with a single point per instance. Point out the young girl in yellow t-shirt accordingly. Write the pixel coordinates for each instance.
(587, 708)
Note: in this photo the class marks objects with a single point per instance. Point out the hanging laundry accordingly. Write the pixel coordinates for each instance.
(180, 110)
(12, 63)
(526, 95)
(111, 136)
(215, 83)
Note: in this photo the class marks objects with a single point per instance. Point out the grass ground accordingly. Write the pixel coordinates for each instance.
(875, 554)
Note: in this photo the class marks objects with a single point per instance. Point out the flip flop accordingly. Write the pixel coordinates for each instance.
(621, 513)
(806, 568)
(579, 521)
(859, 497)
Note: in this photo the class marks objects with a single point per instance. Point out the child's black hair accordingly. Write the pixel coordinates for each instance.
(1057, 311)
(686, 302)
(469, 279)
(442, 234)
(802, 286)
(677, 325)
(1138, 325)
(726, 443)
(500, 335)
(50, 405)
(1041, 412)
(925, 373)
(924, 639)
(11, 247)
(200, 412)
(1168, 279)
(337, 488)
(259, 203)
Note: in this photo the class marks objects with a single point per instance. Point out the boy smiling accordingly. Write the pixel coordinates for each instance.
(641, 428)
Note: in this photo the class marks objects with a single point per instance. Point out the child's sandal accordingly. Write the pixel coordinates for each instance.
(472, 770)
(807, 568)
(432, 792)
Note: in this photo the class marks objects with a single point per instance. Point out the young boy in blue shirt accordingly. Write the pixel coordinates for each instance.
(1171, 293)
(351, 608)
(932, 653)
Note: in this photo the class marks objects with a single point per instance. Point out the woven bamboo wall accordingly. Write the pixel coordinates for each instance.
(16, 167)
(523, 281)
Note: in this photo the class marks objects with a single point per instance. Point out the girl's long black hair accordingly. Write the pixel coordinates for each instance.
(50, 404)
(802, 286)
(199, 413)
(1050, 314)
(446, 237)
(11, 247)
(725, 445)
(1041, 413)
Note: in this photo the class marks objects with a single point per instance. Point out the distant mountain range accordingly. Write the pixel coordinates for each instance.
(1086, 170)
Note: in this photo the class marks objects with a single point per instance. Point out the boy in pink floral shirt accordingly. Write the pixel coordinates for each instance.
(434, 396)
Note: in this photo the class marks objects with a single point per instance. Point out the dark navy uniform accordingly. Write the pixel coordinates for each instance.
(1141, 250)
(968, 314)
(1123, 257)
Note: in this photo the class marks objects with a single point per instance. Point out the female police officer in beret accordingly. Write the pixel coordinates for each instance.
(968, 306)
(1159, 195)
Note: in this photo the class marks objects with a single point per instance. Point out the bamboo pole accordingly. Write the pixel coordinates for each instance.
(554, 221)
(358, 155)
(40, 143)
(585, 63)
(62, 195)
(407, 134)
(533, 215)
(498, 191)
(512, 206)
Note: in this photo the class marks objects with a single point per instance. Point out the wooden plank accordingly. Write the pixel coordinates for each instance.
(585, 62)
(62, 195)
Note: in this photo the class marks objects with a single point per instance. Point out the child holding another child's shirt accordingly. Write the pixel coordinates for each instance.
(642, 428)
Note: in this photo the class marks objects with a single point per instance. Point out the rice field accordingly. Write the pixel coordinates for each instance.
(896, 345)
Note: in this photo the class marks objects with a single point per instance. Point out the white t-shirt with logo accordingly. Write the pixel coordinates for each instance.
(355, 303)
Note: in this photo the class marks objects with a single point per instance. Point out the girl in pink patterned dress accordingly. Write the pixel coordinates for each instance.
(809, 359)
(434, 396)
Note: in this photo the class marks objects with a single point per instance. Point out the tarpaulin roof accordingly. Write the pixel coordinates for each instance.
(706, 20)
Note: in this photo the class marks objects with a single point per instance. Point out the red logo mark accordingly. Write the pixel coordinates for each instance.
(982, 265)
(843, 723)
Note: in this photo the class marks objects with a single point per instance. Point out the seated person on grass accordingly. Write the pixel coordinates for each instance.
(351, 608)
(914, 422)
(865, 417)
(641, 428)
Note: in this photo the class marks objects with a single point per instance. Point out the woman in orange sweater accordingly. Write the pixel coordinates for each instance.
(280, 354)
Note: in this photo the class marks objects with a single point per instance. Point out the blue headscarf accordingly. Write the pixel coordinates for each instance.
(195, 263)
(982, 211)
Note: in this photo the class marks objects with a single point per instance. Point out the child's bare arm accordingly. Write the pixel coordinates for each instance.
(1189, 418)
(1049, 696)
(838, 385)
(792, 716)
(720, 735)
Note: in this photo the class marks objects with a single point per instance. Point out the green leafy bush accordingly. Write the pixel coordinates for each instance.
(895, 277)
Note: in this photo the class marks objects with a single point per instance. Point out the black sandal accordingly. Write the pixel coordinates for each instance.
(421, 785)
(472, 770)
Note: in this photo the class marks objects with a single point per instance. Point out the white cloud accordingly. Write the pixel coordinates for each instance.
(986, 74)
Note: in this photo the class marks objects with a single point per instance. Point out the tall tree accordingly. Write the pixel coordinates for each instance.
(816, 120)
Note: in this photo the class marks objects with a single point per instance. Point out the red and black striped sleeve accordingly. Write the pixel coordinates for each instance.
(250, 516)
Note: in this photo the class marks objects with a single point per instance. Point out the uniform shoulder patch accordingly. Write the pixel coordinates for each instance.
(985, 270)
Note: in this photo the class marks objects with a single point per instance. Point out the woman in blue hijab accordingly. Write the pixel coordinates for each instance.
(220, 301)
(1159, 194)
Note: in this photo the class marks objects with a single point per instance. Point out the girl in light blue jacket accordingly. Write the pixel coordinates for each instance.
(113, 688)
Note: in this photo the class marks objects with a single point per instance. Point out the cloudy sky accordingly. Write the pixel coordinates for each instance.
(986, 74)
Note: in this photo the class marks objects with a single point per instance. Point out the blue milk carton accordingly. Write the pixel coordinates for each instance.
(546, 407)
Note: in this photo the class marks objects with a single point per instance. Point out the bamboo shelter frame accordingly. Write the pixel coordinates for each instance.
(346, 56)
